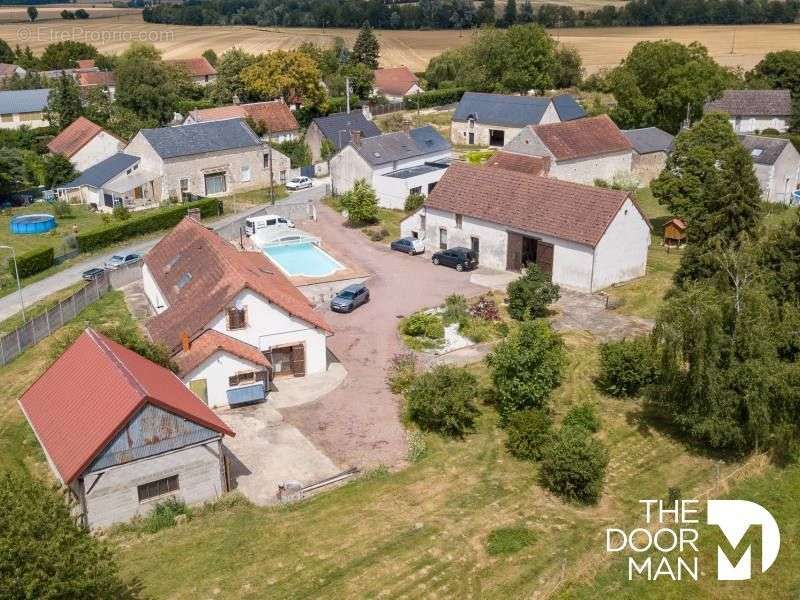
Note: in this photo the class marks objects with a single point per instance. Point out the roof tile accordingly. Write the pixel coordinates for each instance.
(211, 341)
(196, 67)
(275, 114)
(745, 103)
(74, 137)
(582, 137)
(521, 163)
(395, 81)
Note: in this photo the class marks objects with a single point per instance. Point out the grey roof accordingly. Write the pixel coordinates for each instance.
(210, 136)
(23, 101)
(100, 173)
(390, 147)
(763, 150)
(649, 139)
(756, 103)
(336, 123)
(499, 109)
(409, 172)
(567, 107)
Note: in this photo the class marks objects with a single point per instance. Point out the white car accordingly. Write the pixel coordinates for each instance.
(253, 224)
(409, 245)
(299, 183)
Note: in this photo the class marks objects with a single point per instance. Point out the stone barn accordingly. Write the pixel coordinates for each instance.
(651, 147)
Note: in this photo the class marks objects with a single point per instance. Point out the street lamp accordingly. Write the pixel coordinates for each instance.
(19, 287)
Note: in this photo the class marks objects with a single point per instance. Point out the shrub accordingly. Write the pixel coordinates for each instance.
(769, 131)
(361, 204)
(423, 324)
(626, 367)
(601, 183)
(786, 446)
(526, 366)
(401, 372)
(477, 330)
(32, 262)
(121, 213)
(131, 339)
(377, 234)
(62, 209)
(583, 416)
(163, 515)
(433, 98)
(574, 466)
(530, 295)
(442, 400)
(528, 433)
(417, 447)
(485, 309)
(508, 540)
(455, 309)
(413, 202)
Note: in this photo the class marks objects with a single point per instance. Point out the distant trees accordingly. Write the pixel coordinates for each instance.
(229, 84)
(6, 53)
(33, 13)
(66, 54)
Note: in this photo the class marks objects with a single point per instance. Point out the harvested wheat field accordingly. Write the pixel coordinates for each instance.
(742, 45)
(19, 13)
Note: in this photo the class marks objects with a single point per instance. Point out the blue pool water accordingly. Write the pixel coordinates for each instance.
(307, 260)
(27, 224)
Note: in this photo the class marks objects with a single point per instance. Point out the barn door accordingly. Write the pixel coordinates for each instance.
(299, 360)
(544, 257)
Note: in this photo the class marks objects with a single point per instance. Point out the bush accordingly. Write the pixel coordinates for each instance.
(401, 372)
(32, 262)
(583, 417)
(361, 204)
(626, 367)
(148, 222)
(414, 201)
(433, 98)
(62, 209)
(530, 295)
(529, 432)
(786, 446)
(121, 213)
(455, 309)
(131, 339)
(442, 400)
(574, 466)
(423, 324)
(163, 515)
(477, 330)
(485, 309)
(508, 540)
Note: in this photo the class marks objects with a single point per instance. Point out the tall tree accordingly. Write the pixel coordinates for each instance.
(568, 70)
(64, 104)
(282, 74)
(510, 13)
(57, 170)
(366, 49)
(33, 13)
(146, 85)
(13, 174)
(6, 53)
(781, 70)
(486, 13)
(66, 54)
(526, 14)
(229, 84)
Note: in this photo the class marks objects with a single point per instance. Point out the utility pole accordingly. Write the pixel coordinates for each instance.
(271, 180)
(347, 92)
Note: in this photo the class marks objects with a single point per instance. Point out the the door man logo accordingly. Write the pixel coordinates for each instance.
(673, 549)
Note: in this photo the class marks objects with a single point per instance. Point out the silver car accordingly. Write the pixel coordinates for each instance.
(122, 260)
(299, 183)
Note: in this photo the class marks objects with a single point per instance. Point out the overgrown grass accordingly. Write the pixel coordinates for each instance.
(509, 540)
(388, 219)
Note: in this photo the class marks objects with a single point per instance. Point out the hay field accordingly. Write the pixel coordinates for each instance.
(742, 45)
(19, 14)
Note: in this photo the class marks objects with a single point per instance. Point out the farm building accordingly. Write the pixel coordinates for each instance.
(277, 121)
(675, 232)
(395, 83)
(521, 163)
(586, 238)
(752, 111)
(199, 69)
(338, 129)
(23, 107)
(122, 433)
(395, 164)
(495, 119)
(85, 144)
(101, 79)
(581, 151)
(777, 166)
(651, 147)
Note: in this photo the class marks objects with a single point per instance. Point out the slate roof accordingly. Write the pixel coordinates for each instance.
(333, 124)
(198, 138)
(395, 81)
(567, 107)
(209, 343)
(97, 175)
(763, 150)
(74, 137)
(274, 114)
(582, 138)
(196, 67)
(23, 101)
(500, 109)
(649, 139)
(400, 145)
(216, 272)
(92, 391)
(521, 163)
(755, 103)
(539, 205)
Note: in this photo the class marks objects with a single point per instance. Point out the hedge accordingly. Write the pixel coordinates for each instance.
(32, 262)
(146, 223)
(433, 98)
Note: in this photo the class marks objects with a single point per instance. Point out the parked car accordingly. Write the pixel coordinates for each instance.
(122, 260)
(409, 245)
(350, 298)
(462, 259)
(299, 183)
(93, 273)
(254, 224)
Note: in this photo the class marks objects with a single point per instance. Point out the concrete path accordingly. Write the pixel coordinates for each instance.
(588, 312)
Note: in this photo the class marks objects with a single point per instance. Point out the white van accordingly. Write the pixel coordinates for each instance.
(253, 224)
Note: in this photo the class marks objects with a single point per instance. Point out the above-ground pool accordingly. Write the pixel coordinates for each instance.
(37, 223)
(306, 259)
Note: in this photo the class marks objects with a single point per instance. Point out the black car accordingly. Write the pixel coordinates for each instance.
(350, 298)
(408, 245)
(92, 274)
(462, 259)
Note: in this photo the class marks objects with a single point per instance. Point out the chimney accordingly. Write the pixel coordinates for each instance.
(355, 137)
(185, 341)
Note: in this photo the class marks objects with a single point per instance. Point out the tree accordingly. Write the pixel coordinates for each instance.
(33, 13)
(327, 149)
(64, 104)
(526, 366)
(626, 366)
(574, 466)
(286, 75)
(366, 49)
(510, 13)
(526, 14)
(44, 554)
(443, 400)
(211, 57)
(58, 170)
(67, 15)
(486, 13)
(7, 55)
(81, 14)
(145, 85)
(568, 70)
(361, 204)
(781, 70)
(13, 173)
(529, 432)
(229, 83)
(297, 151)
(66, 54)
(530, 295)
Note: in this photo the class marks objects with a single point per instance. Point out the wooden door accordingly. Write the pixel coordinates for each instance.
(281, 361)
(299, 360)
(544, 257)
(514, 252)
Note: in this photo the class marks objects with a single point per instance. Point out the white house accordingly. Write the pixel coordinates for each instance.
(395, 164)
(753, 111)
(777, 165)
(395, 83)
(85, 144)
(586, 238)
(231, 319)
(581, 151)
(23, 107)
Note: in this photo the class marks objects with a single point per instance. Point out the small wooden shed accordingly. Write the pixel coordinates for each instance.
(675, 233)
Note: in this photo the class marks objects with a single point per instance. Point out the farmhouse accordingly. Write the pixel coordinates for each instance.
(85, 144)
(231, 319)
(777, 166)
(651, 147)
(586, 238)
(395, 83)
(494, 119)
(199, 69)
(395, 164)
(122, 433)
(102, 79)
(23, 107)
(274, 118)
(213, 158)
(752, 111)
(338, 129)
(581, 151)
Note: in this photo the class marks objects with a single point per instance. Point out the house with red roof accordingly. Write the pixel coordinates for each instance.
(199, 69)
(231, 319)
(85, 144)
(395, 83)
(585, 238)
(122, 433)
(274, 118)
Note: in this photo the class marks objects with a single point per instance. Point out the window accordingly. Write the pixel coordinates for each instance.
(442, 239)
(416, 190)
(283, 176)
(215, 183)
(266, 160)
(475, 244)
(497, 137)
(155, 489)
(245, 173)
(422, 223)
(431, 186)
(246, 378)
(459, 221)
(184, 185)
(237, 318)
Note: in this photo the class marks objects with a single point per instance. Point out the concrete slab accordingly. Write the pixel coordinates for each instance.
(294, 391)
(496, 280)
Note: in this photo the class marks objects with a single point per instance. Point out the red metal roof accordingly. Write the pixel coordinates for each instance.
(580, 138)
(91, 392)
(395, 81)
(79, 133)
(196, 67)
(211, 341)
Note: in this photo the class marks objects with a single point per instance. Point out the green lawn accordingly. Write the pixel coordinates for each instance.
(387, 227)
(80, 217)
(39, 307)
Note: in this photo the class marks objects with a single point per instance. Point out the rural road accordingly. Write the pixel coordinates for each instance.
(9, 305)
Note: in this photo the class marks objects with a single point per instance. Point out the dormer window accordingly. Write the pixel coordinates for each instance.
(237, 318)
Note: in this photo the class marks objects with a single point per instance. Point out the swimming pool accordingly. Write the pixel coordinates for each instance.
(306, 260)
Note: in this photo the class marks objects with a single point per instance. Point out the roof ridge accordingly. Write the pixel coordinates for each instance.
(99, 340)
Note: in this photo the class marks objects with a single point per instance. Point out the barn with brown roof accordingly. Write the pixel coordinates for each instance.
(199, 69)
(85, 144)
(581, 151)
(586, 238)
(274, 117)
